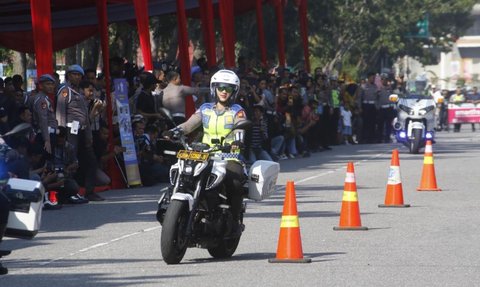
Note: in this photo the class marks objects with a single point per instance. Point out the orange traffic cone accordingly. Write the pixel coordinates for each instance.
(429, 181)
(394, 193)
(350, 213)
(289, 248)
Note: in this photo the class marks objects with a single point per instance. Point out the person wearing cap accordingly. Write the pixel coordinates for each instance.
(44, 120)
(72, 113)
(386, 111)
(174, 96)
(369, 102)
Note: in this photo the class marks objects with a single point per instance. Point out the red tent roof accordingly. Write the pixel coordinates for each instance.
(75, 21)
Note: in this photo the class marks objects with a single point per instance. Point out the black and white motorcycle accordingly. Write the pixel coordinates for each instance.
(194, 212)
(415, 121)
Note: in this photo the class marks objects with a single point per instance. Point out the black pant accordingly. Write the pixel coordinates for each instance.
(234, 179)
(4, 211)
(324, 124)
(40, 141)
(333, 128)
(369, 117)
(384, 124)
(87, 162)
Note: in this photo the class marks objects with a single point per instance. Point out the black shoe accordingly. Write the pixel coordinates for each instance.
(77, 199)
(5, 253)
(94, 197)
(3, 270)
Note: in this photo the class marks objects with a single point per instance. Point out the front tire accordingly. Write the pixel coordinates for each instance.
(416, 142)
(225, 248)
(173, 242)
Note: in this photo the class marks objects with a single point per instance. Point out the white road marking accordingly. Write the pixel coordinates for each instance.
(102, 244)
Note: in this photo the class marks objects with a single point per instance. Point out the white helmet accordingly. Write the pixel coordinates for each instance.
(225, 78)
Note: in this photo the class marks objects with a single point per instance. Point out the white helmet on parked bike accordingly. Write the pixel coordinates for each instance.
(227, 79)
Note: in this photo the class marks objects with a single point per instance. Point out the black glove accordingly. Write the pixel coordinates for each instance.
(173, 133)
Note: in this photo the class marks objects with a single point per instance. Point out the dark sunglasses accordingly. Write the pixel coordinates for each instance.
(226, 89)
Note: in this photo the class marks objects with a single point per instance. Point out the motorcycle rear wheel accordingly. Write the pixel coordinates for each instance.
(416, 142)
(225, 249)
(173, 242)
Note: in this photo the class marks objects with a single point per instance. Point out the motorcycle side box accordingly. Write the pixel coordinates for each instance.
(262, 178)
(26, 203)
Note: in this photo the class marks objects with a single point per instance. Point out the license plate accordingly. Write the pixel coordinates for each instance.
(192, 155)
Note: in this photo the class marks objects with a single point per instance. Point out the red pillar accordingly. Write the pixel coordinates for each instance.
(302, 13)
(228, 32)
(281, 34)
(113, 170)
(42, 35)
(183, 54)
(208, 30)
(141, 13)
(261, 33)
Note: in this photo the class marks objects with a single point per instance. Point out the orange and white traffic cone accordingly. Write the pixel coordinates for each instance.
(428, 181)
(350, 212)
(289, 248)
(394, 193)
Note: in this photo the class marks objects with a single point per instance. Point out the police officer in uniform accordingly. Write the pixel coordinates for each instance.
(72, 113)
(44, 119)
(369, 101)
(386, 111)
(218, 120)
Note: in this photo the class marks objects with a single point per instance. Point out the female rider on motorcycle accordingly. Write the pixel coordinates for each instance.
(217, 120)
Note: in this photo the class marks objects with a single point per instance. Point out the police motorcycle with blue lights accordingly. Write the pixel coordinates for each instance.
(415, 121)
(204, 205)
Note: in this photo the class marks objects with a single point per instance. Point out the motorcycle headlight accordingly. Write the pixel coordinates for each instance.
(405, 109)
(426, 110)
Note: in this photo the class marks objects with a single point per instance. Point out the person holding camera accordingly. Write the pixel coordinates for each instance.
(95, 106)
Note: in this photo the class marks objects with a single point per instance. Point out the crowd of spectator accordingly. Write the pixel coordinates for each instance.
(294, 114)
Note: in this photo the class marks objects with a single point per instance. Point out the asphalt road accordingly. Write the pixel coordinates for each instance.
(433, 243)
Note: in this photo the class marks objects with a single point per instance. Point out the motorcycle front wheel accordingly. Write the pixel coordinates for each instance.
(416, 141)
(173, 242)
(225, 248)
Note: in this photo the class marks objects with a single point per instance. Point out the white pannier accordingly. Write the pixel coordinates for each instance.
(262, 178)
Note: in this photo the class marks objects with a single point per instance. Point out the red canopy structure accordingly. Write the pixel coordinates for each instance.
(44, 26)
(16, 22)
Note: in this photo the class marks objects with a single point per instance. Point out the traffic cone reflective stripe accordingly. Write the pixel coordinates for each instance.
(350, 212)
(289, 221)
(289, 248)
(394, 192)
(350, 196)
(428, 181)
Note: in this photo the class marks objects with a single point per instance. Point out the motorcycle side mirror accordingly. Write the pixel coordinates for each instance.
(243, 125)
(166, 113)
(393, 98)
(17, 129)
